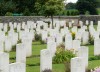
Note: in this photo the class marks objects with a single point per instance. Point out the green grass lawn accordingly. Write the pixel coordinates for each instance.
(33, 62)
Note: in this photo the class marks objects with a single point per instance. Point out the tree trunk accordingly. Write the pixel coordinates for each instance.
(52, 21)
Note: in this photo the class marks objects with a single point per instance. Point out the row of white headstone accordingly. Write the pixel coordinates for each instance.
(25, 33)
(5, 66)
(78, 64)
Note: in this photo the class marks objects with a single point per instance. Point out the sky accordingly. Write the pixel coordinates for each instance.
(73, 1)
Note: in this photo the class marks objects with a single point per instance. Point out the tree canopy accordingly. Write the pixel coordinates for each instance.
(87, 5)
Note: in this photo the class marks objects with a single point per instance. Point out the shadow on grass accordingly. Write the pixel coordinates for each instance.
(12, 58)
(33, 56)
(37, 64)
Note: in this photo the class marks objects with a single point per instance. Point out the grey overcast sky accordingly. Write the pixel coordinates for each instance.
(73, 1)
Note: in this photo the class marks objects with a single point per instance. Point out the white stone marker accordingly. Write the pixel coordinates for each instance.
(28, 45)
(50, 39)
(8, 44)
(83, 52)
(52, 47)
(87, 22)
(15, 25)
(20, 53)
(74, 29)
(68, 42)
(85, 38)
(5, 27)
(44, 35)
(77, 65)
(97, 47)
(1, 46)
(4, 62)
(76, 44)
(96, 35)
(45, 60)
(59, 39)
(17, 67)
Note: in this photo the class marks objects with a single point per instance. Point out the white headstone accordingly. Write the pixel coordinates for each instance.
(52, 47)
(97, 47)
(68, 42)
(20, 53)
(59, 39)
(76, 44)
(83, 52)
(1, 46)
(77, 65)
(17, 67)
(4, 62)
(8, 44)
(45, 60)
(85, 38)
(28, 45)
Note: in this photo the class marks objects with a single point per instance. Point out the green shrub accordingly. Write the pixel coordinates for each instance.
(94, 58)
(91, 40)
(14, 48)
(60, 48)
(68, 13)
(9, 14)
(73, 35)
(63, 56)
(37, 37)
(42, 42)
(26, 12)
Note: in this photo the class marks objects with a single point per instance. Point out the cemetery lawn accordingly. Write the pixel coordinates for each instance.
(33, 62)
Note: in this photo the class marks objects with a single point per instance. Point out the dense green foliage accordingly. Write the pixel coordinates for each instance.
(87, 5)
(30, 7)
(47, 7)
(94, 58)
(71, 6)
(62, 55)
(33, 62)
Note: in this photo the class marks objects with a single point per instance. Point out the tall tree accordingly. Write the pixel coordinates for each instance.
(87, 5)
(71, 6)
(53, 7)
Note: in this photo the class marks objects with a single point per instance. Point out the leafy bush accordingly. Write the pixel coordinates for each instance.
(9, 14)
(68, 13)
(91, 40)
(73, 35)
(94, 58)
(42, 42)
(63, 56)
(60, 48)
(37, 37)
(14, 48)
(26, 12)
